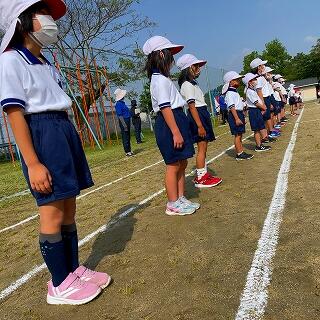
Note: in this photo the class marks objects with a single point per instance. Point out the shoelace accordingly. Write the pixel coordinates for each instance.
(77, 283)
(88, 272)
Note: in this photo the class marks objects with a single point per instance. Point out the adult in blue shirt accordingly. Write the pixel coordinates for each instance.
(223, 109)
(124, 116)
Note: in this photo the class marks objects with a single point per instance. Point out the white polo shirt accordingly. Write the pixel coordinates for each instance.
(252, 98)
(283, 89)
(192, 93)
(233, 99)
(277, 89)
(263, 85)
(28, 83)
(164, 93)
(271, 91)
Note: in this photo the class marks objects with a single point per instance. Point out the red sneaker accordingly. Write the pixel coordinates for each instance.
(207, 181)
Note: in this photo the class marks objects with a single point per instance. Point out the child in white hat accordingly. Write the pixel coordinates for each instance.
(172, 131)
(53, 160)
(199, 116)
(255, 106)
(236, 117)
(292, 100)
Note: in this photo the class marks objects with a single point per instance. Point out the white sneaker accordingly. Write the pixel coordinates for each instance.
(195, 205)
(179, 209)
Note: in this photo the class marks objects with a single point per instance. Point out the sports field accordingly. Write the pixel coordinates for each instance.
(262, 223)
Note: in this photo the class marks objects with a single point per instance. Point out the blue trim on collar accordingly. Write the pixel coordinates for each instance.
(232, 89)
(194, 82)
(29, 57)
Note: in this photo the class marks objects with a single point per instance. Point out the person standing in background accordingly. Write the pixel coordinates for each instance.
(223, 109)
(136, 120)
(124, 116)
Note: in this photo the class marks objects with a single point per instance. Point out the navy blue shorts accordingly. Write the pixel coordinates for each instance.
(206, 122)
(232, 123)
(282, 105)
(164, 137)
(256, 119)
(267, 114)
(59, 149)
(292, 101)
(276, 105)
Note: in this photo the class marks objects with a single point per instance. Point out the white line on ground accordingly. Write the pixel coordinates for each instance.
(93, 191)
(17, 194)
(255, 294)
(26, 277)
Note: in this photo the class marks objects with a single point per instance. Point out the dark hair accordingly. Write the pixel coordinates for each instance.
(255, 70)
(163, 65)
(184, 76)
(26, 24)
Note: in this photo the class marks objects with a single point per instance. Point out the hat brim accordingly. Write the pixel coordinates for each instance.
(175, 49)
(225, 88)
(121, 95)
(8, 36)
(57, 8)
(200, 63)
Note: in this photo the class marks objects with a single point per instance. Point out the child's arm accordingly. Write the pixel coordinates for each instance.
(259, 92)
(171, 122)
(260, 106)
(235, 115)
(39, 176)
(195, 115)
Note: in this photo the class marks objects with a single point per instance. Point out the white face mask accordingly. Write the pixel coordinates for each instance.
(48, 34)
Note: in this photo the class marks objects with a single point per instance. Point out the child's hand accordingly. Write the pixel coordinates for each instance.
(202, 132)
(239, 122)
(178, 141)
(40, 178)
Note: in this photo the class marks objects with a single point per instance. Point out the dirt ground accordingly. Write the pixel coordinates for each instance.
(181, 268)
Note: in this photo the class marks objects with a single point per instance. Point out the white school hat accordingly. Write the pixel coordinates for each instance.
(292, 85)
(187, 60)
(11, 9)
(248, 77)
(159, 43)
(268, 70)
(227, 78)
(257, 62)
(278, 76)
(120, 94)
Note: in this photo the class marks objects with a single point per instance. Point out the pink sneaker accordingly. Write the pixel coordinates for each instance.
(99, 278)
(72, 291)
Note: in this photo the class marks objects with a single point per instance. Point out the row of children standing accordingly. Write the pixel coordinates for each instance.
(265, 98)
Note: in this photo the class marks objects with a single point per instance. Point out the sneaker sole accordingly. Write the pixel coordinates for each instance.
(203, 186)
(262, 150)
(106, 284)
(56, 301)
(170, 213)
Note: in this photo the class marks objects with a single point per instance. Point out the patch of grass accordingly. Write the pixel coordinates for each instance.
(127, 289)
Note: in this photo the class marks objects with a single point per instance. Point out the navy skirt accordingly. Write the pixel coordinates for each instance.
(267, 114)
(276, 105)
(164, 137)
(256, 119)
(235, 130)
(59, 149)
(292, 101)
(206, 123)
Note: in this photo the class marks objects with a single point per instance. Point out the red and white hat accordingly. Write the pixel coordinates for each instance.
(157, 43)
(255, 63)
(248, 77)
(10, 11)
(187, 60)
(227, 78)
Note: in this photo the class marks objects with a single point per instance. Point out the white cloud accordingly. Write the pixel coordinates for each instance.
(311, 39)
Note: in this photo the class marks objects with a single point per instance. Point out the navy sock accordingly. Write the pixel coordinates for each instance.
(52, 249)
(70, 240)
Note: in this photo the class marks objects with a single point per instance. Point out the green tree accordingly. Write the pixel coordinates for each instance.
(247, 59)
(277, 55)
(314, 66)
(145, 99)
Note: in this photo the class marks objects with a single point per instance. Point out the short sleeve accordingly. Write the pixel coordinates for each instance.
(252, 96)
(12, 72)
(162, 92)
(261, 82)
(231, 100)
(188, 91)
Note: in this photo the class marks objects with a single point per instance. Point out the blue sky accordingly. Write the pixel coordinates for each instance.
(224, 31)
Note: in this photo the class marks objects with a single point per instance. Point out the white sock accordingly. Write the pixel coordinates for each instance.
(201, 172)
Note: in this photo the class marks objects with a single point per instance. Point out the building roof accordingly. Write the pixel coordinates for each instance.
(302, 83)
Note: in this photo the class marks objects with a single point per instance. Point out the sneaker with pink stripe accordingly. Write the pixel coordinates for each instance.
(72, 291)
(101, 279)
